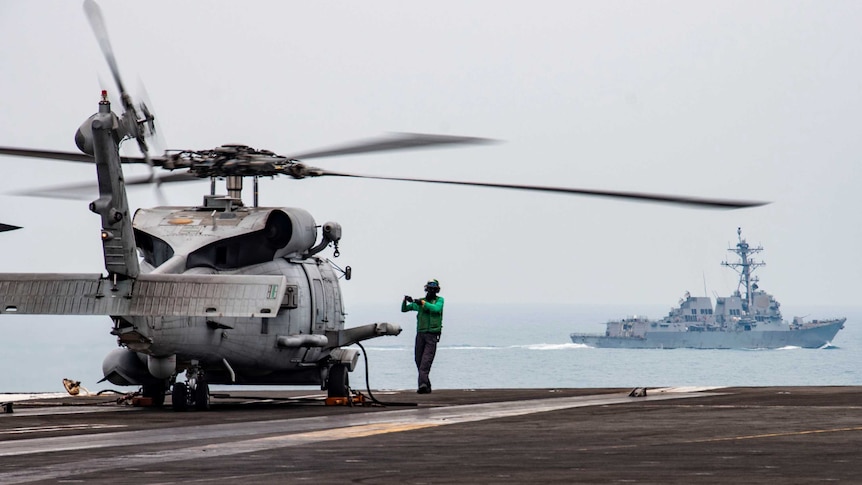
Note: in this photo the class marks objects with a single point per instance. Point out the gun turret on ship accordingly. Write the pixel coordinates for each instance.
(750, 318)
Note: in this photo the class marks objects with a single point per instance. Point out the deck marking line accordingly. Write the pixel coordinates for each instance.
(59, 427)
(775, 435)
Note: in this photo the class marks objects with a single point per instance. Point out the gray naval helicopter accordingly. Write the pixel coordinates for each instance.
(224, 292)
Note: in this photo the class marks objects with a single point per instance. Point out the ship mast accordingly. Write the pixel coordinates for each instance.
(745, 267)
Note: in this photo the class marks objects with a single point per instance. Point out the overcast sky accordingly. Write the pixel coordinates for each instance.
(750, 100)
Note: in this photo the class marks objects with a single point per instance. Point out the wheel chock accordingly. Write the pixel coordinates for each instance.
(142, 402)
(356, 400)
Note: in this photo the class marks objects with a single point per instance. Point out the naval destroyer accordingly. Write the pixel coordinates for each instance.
(744, 320)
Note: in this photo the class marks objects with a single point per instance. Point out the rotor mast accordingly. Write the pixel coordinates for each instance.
(745, 267)
(234, 186)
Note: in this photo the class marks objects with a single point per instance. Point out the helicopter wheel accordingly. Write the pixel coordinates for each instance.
(180, 397)
(156, 392)
(337, 385)
(202, 395)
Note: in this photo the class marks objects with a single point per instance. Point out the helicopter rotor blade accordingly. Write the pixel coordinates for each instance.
(7, 227)
(70, 156)
(391, 142)
(639, 196)
(135, 126)
(301, 171)
(97, 23)
(49, 154)
(87, 190)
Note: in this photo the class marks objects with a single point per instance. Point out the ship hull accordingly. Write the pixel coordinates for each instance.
(809, 338)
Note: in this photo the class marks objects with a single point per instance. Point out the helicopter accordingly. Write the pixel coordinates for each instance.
(221, 293)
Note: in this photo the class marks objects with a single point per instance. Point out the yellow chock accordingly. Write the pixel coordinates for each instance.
(142, 402)
(355, 400)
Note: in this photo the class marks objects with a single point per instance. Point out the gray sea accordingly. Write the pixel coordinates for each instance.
(483, 346)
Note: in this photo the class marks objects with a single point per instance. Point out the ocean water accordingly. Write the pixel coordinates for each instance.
(524, 346)
(483, 346)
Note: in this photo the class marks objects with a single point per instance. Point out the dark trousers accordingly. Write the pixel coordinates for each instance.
(424, 351)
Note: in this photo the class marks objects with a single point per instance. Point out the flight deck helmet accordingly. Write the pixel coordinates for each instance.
(432, 286)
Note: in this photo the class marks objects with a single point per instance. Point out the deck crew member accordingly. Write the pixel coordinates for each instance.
(429, 324)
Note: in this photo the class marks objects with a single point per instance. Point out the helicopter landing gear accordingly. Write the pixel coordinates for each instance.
(195, 392)
(180, 396)
(337, 382)
(200, 393)
(156, 392)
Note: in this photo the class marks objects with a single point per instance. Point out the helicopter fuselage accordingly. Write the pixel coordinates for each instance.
(220, 239)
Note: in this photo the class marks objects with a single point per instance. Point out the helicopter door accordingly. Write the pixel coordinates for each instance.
(319, 305)
(331, 304)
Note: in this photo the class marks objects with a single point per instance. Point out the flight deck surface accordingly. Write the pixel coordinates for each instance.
(719, 435)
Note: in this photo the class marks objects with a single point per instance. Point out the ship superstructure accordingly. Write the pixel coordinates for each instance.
(749, 318)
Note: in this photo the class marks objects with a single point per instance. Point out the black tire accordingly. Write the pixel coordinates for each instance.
(338, 381)
(202, 395)
(156, 392)
(180, 397)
